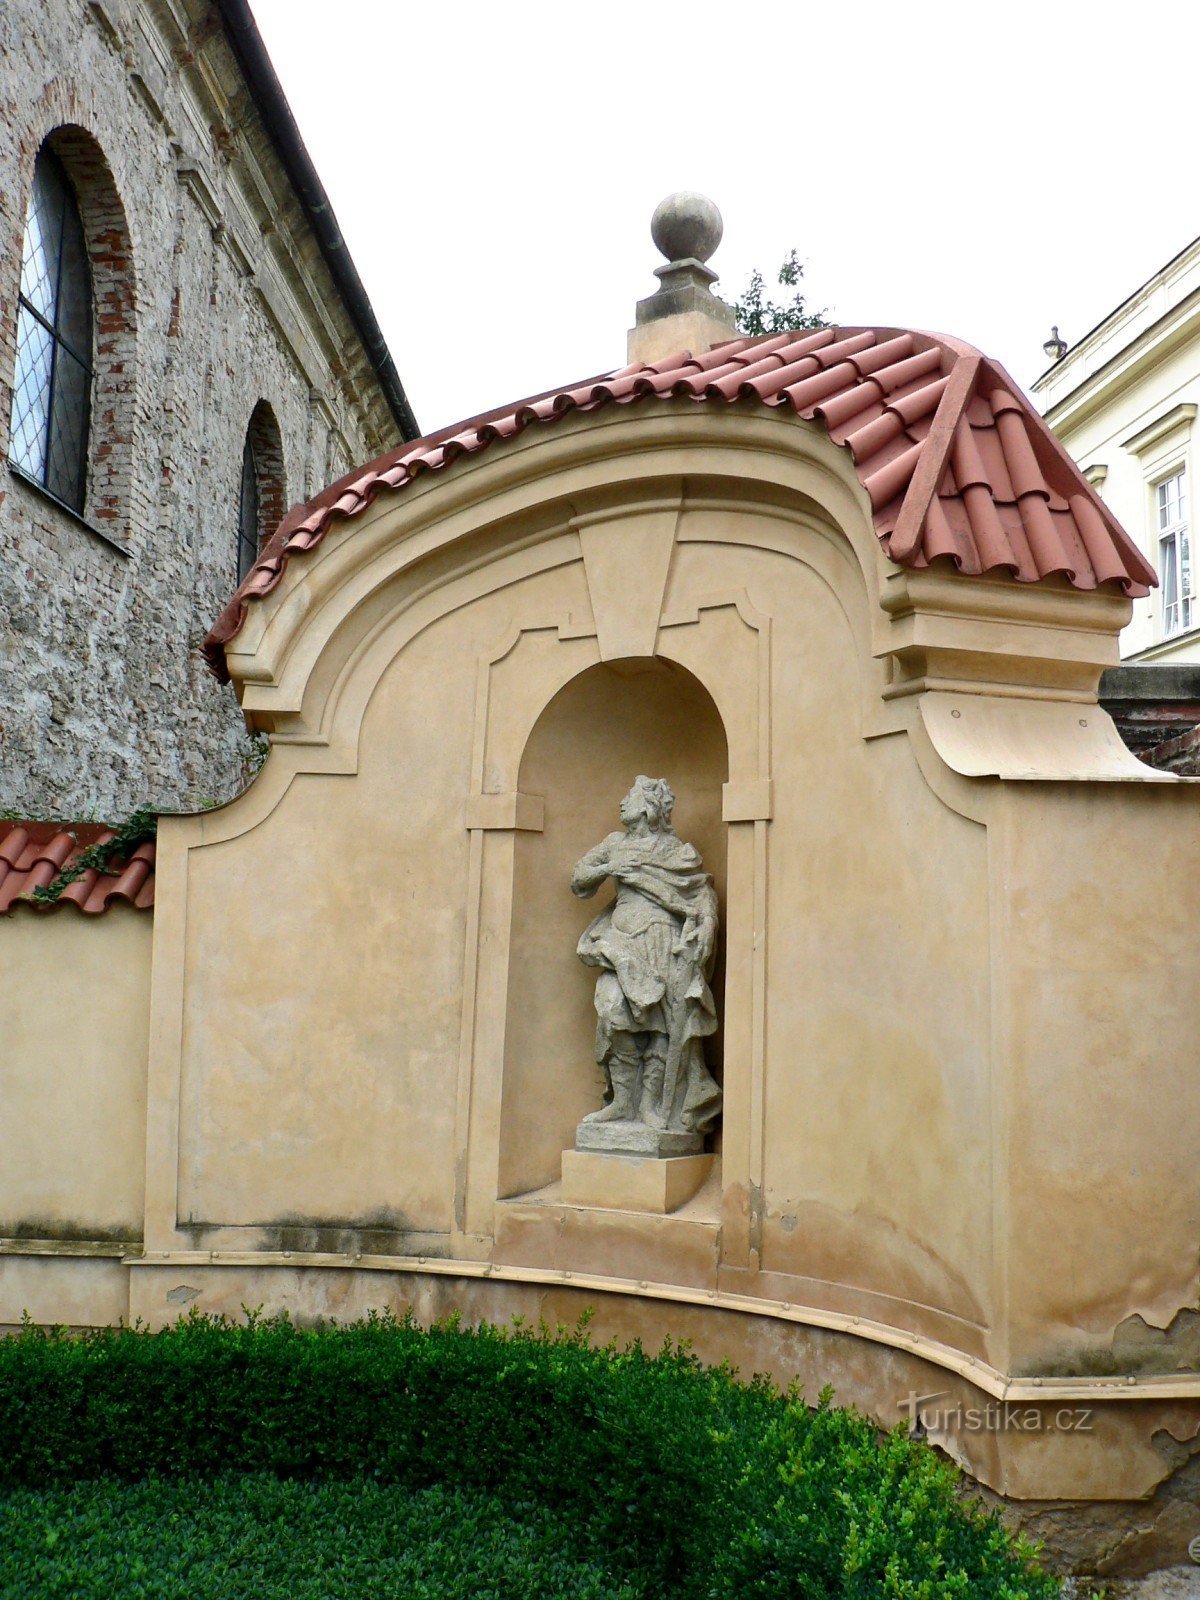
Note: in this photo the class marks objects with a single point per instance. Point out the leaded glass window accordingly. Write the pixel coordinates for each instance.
(248, 513)
(53, 381)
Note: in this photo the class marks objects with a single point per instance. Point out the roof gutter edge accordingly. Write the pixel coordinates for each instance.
(251, 54)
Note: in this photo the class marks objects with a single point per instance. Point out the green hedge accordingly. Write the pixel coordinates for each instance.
(254, 1537)
(674, 1479)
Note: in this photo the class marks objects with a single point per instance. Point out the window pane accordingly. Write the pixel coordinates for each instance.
(248, 513)
(1170, 585)
(43, 235)
(66, 466)
(74, 319)
(53, 380)
(31, 395)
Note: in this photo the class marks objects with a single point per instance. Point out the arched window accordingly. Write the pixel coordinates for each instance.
(248, 512)
(53, 381)
(261, 495)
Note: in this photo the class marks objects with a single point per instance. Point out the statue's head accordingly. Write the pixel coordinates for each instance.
(652, 798)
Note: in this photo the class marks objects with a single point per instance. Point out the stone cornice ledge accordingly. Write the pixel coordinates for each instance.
(1122, 369)
(1006, 675)
(999, 637)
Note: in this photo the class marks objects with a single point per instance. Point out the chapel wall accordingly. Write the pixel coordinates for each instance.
(212, 298)
(72, 1087)
(320, 1057)
(1101, 1014)
(355, 959)
(440, 1056)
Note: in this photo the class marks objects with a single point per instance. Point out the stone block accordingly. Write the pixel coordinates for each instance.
(636, 1139)
(619, 1182)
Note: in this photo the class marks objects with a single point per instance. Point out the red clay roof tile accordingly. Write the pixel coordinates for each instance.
(957, 465)
(33, 854)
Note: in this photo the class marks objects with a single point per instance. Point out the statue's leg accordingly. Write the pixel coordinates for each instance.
(622, 1065)
(651, 1110)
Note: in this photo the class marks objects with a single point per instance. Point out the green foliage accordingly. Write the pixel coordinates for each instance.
(671, 1479)
(135, 830)
(255, 1537)
(756, 315)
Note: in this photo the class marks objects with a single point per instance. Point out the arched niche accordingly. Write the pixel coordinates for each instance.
(609, 723)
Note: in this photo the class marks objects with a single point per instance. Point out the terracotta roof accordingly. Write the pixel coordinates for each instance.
(33, 854)
(957, 463)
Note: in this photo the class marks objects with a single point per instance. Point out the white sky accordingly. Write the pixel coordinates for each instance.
(979, 169)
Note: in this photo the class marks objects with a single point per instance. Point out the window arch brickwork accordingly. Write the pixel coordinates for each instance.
(114, 303)
(109, 476)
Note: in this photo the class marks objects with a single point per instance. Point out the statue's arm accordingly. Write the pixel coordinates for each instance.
(592, 870)
(698, 937)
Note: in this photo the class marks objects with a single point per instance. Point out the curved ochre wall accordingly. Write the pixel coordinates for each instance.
(951, 1156)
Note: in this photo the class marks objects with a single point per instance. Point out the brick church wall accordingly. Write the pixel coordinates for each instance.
(211, 299)
(1156, 707)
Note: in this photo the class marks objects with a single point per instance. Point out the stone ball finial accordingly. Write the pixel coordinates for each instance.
(686, 226)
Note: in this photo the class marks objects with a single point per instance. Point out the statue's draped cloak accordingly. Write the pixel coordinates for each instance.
(655, 979)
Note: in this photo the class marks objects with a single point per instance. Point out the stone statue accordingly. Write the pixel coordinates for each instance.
(655, 945)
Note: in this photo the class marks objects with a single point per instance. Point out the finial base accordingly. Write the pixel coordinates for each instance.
(697, 331)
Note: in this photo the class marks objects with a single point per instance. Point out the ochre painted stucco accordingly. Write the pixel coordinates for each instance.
(958, 1149)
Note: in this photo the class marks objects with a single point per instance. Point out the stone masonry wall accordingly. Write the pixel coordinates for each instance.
(211, 297)
(1156, 707)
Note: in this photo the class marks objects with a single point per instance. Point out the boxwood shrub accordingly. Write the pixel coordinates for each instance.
(665, 1477)
(250, 1536)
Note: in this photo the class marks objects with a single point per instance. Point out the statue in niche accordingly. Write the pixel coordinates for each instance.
(655, 946)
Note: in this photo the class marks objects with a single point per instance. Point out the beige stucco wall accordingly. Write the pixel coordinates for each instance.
(76, 1014)
(960, 1119)
(857, 1030)
(1101, 903)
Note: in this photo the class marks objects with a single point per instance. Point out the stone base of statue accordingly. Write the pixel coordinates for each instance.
(616, 1181)
(636, 1139)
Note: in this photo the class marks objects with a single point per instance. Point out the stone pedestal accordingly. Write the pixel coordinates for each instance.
(635, 1139)
(617, 1182)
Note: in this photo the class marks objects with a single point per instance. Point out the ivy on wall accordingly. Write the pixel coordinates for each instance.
(134, 831)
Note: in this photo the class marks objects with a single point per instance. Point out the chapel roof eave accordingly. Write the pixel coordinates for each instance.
(957, 464)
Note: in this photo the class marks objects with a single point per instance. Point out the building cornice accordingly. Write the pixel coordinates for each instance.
(280, 126)
(1143, 353)
(1138, 354)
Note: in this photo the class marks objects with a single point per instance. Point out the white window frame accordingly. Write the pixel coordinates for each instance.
(1163, 450)
(1176, 571)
